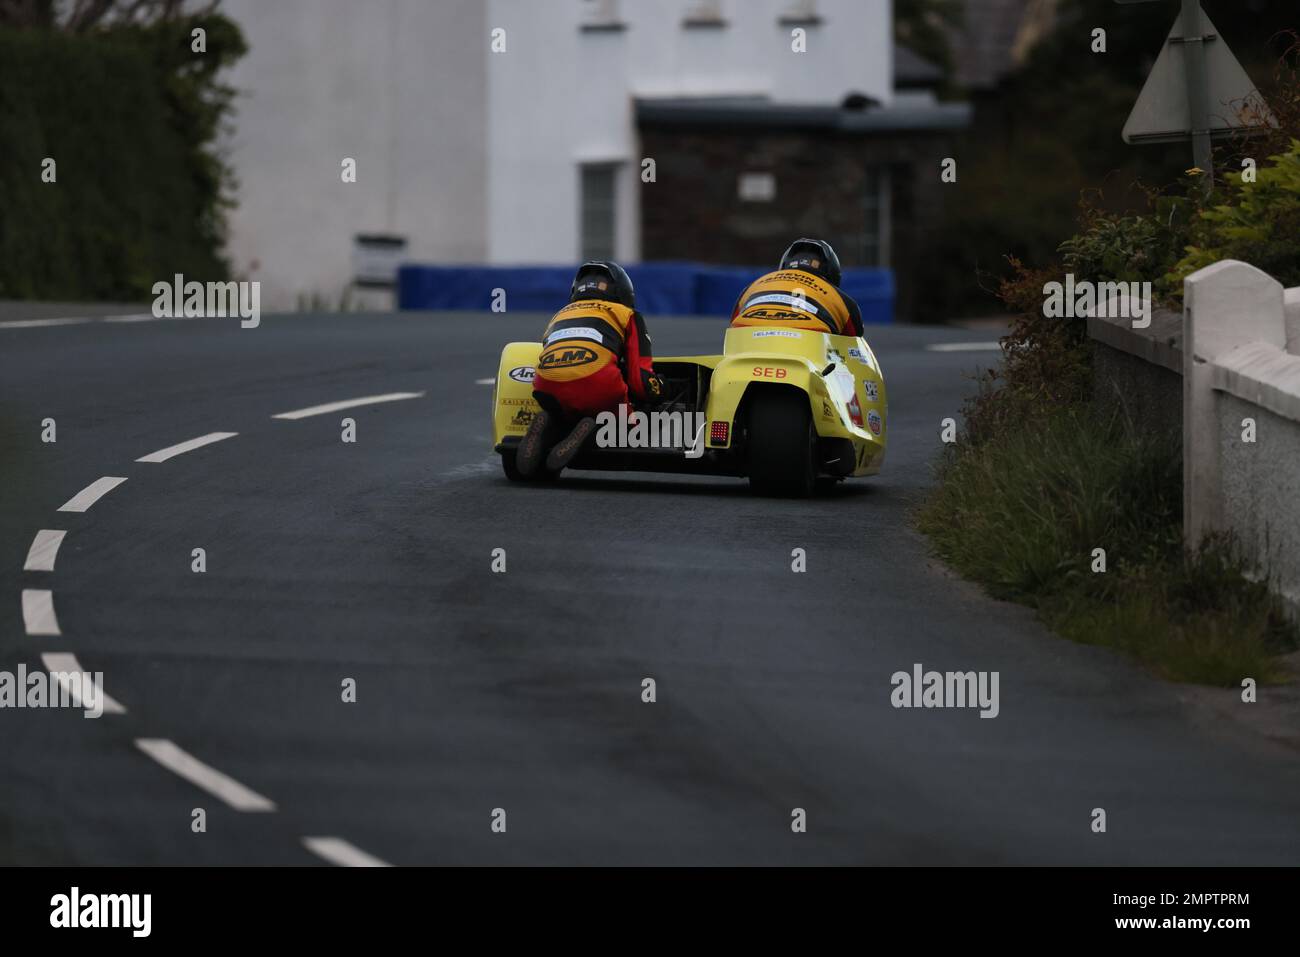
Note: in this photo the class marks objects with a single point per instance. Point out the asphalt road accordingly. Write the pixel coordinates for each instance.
(522, 691)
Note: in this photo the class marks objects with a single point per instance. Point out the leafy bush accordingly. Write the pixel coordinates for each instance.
(1258, 223)
(130, 116)
(1139, 247)
(1038, 480)
(1046, 364)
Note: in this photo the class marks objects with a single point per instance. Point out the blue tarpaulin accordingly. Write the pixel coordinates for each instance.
(662, 288)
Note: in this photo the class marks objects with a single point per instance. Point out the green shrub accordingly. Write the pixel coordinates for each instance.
(130, 116)
(1141, 247)
(1046, 364)
(1258, 223)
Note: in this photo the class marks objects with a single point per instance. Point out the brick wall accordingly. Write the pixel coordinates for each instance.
(693, 212)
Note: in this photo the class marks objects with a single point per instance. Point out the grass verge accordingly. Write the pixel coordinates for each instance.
(1024, 511)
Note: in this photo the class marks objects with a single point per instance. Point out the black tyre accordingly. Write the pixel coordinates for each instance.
(508, 466)
(782, 444)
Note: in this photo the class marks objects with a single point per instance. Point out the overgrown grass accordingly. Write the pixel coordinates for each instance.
(1023, 511)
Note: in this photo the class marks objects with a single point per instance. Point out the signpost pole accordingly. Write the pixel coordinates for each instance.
(1198, 96)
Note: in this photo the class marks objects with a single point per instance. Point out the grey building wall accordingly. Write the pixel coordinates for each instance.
(397, 85)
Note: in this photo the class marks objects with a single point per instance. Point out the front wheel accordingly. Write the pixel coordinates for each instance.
(510, 468)
(781, 444)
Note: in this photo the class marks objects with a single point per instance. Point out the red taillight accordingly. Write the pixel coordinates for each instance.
(718, 432)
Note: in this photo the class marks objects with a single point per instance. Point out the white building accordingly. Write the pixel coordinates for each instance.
(497, 131)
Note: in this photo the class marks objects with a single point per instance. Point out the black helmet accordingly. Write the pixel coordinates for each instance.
(815, 256)
(603, 280)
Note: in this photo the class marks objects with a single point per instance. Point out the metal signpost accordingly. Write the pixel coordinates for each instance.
(1194, 70)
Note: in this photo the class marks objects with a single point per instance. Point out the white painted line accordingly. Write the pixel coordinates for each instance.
(340, 852)
(965, 347)
(485, 381)
(346, 404)
(64, 666)
(199, 774)
(91, 494)
(37, 323)
(38, 612)
(137, 317)
(162, 455)
(45, 548)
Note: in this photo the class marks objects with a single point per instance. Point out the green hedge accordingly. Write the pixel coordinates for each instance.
(130, 117)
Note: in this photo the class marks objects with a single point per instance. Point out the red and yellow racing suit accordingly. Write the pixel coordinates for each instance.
(796, 299)
(595, 354)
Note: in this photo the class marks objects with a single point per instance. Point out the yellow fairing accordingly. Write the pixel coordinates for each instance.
(849, 402)
(513, 405)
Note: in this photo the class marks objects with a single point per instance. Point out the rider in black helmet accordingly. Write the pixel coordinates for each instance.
(595, 357)
(803, 293)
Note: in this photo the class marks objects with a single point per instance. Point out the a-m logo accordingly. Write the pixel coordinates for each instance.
(566, 357)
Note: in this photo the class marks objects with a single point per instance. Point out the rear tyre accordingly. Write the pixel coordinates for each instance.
(782, 444)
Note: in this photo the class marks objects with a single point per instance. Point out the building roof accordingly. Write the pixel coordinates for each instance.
(762, 112)
(912, 71)
(995, 38)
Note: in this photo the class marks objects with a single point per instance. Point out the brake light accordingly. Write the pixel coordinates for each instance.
(718, 432)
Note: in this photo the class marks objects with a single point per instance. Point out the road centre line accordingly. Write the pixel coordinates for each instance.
(44, 550)
(964, 347)
(38, 612)
(162, 455)
(190, 768)
(92, 493)
(346, 404)
(64, 665)
(38, 323)
(340, 852)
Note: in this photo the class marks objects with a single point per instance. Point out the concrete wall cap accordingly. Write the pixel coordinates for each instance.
(1263, 374)
(1229, 304)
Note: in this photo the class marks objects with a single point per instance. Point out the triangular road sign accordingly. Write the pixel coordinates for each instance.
(1161, 113)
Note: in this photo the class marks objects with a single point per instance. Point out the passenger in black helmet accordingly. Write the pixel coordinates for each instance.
(595, 356)
(803, 293)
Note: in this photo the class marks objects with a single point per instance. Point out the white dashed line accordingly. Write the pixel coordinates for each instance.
(140, 317)
(965, 347)
(38, 612)
(162, 455)
(340, 852)
(37, 323)
(346, 404)
(91, 494)
(199, 774)
(484, 381)
(45, 548)
(82, 320)
(63, 666)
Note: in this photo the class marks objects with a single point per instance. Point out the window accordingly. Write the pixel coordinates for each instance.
(876, 216)
(704, 13)
(801, 12)
(598, 212)
(600, 15)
